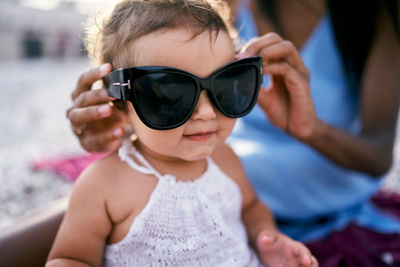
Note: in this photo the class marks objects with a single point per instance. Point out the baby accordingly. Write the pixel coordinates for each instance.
(176, 195)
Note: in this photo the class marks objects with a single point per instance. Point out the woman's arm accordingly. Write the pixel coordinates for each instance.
(289, 106)
(372, 150)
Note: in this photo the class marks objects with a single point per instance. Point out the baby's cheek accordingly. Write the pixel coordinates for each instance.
(226, 127)
(162, 141)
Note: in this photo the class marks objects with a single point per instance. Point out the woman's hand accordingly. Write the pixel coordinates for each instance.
(96, 123)
(287, 101)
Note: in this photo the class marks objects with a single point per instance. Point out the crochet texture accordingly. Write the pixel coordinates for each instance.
(195, 223)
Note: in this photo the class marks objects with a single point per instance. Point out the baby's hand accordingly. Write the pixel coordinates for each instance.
(276, 250)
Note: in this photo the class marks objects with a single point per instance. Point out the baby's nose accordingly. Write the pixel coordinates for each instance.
(204, 110)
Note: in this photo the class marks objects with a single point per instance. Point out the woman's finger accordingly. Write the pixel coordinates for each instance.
(92, 97)
(84, 115)
(301, 120)
(104, 141)
(282, 51)
(255, 45)
(291, 77)
(89, 77)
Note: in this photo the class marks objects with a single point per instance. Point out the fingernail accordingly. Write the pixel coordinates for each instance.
(306, 260)
(104, 110)
(117, 132)
(266, 238)
(104, 69)
(242, 54)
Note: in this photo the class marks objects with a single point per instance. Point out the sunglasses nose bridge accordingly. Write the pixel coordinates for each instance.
(205, 84)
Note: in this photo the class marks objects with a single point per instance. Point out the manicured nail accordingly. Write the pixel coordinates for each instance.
(104, 69)
(104, 110)
(242, 54)
(117, 132)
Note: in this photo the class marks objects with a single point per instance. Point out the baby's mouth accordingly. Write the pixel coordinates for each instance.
(200, 136)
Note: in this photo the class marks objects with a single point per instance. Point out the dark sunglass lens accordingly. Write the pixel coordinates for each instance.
(164, 99)
(235, 89)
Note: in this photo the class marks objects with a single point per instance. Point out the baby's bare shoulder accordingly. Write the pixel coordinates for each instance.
(110, 171)
(124, 190)
(101, 172)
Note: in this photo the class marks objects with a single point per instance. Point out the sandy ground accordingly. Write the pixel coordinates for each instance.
(33, 98)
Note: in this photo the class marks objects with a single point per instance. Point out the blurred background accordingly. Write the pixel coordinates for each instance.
(41, 57)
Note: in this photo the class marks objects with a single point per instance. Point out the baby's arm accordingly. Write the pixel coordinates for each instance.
(82, 235)
(273, 247)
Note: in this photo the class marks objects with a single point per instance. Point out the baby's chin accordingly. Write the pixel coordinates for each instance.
(199, 155)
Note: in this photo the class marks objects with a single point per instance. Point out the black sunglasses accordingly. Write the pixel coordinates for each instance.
(165, 98)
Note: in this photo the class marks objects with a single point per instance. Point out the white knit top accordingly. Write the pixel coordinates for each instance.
(194, 223)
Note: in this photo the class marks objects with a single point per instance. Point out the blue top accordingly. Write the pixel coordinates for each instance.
(298, 184)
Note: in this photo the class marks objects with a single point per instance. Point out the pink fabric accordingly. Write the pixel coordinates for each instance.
(68, 167)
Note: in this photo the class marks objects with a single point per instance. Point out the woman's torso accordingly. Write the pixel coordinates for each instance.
(296, 182)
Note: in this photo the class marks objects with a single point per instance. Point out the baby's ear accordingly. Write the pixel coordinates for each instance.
(121, 110)
(123, 105)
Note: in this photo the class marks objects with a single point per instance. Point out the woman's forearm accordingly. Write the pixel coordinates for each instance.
(368, 154)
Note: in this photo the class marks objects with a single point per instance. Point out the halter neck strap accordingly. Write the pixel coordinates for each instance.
(128, 149)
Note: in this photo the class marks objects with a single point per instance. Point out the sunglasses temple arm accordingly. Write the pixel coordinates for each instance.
(117, 86)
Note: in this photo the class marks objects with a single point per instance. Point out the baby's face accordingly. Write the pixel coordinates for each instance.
(201, 56)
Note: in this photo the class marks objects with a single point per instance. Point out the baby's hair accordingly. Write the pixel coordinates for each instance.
(111, 32)
(110, 39)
